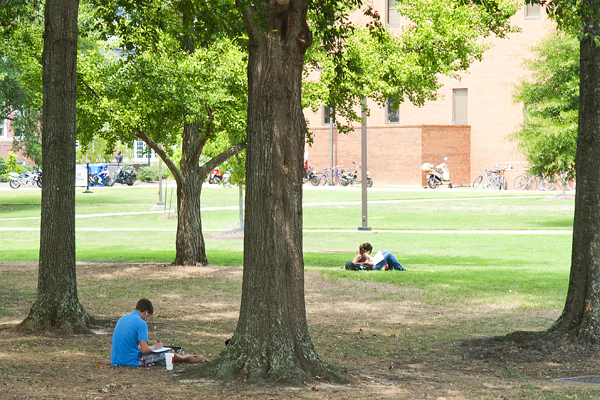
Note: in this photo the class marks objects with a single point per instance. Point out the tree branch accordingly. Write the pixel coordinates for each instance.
(209, 132)
(221, 158)
(161, 153)
(95, 94)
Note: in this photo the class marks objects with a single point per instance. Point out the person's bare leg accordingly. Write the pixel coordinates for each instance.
(188, 358)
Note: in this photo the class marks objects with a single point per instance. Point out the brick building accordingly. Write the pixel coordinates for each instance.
(469, 123)
(6, 138)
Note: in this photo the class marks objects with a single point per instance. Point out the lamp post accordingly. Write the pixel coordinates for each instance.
(331, 120)
(160, 200)
(363, 161)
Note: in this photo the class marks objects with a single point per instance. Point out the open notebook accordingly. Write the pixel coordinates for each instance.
(161, 350)
(176, 349)
(378, 258)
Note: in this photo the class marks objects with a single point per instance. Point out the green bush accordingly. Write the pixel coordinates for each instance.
(13, 166)
(150, 174)
(3, 167)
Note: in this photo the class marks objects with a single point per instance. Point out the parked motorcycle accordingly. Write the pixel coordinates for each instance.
(438, 175)
(309, 174)
(124, 176)
(25, 179)
(99, 177)
(217, 177)
(350, 177)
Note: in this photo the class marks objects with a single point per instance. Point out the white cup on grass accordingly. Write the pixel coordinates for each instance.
(169, 360)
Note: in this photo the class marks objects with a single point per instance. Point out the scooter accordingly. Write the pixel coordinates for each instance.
(25, 179)
(350, 177)
(309, 174)
(438, 175)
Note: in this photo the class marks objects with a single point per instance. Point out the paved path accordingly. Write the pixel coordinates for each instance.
(313, 204)
(319, 204)
(411, 231)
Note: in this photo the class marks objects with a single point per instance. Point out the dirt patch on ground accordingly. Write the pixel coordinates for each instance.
(390, 342)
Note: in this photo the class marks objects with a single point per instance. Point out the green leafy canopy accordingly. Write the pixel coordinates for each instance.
(548, 137)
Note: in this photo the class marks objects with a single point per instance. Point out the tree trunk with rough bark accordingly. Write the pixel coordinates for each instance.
(580, 318)
(190, 247)
(271, 341)
(57, 307)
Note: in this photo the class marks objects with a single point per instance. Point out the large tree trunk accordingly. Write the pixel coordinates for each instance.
(272, 340)
(190, 247)
(57, 306)
(581, 315)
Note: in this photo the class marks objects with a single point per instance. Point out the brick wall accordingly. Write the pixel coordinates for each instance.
(395, 153)
(452, 141)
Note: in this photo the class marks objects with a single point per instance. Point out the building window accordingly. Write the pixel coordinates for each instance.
(533, 11)
(459, 106)
(4, 128)
(140, 150)
(393, 18)
(326, 115)
(392, 112)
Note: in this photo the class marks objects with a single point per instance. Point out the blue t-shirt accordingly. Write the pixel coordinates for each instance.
(130, 329)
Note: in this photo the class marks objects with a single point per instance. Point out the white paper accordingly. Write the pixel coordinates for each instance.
(378, 258)
(161, 350)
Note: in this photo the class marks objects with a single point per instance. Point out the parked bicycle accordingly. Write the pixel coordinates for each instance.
(323, 178)
(523, 182)
(491, 179)
(549, 182)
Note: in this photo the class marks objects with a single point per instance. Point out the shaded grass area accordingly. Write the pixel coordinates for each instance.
(388, 336)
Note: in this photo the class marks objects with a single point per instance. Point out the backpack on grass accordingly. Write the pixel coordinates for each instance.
(350, 266)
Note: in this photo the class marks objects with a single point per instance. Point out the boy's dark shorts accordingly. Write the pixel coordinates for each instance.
(150, 359)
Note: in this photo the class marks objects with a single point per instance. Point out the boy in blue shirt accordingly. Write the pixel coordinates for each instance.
(130, 340)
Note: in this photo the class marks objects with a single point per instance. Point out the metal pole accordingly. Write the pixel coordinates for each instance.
(331, 120)
(363, 168)
(160, 201)
(87, 189)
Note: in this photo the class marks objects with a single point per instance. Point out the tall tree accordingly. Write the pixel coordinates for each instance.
(173, 87)
(57, 305)
(271, 340)
(580, 318)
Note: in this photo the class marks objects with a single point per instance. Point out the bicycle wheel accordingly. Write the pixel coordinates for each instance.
(335, 180)
(486, 183)
(324, 179)
(494, 183)
(477, 182)
(521, 182)
(504, 185)
(571, 184)
(546, 183)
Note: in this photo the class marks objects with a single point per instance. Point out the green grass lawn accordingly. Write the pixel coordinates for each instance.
(434, 234)
(479, 264)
